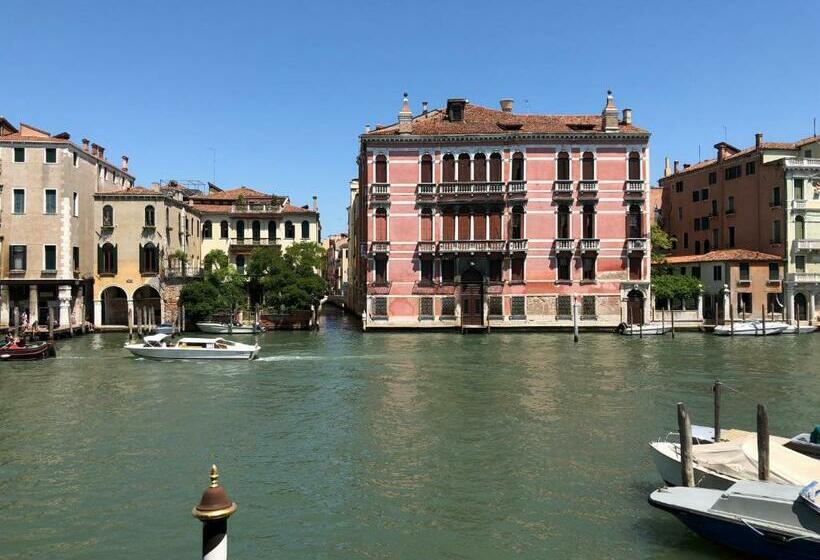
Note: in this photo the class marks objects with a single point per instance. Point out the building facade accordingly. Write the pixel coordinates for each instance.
(765, 198)
(354, 294)
(336, 264)
(470, 216)
(47, 241)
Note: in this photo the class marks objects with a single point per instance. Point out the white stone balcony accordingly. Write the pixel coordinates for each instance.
(379, 247)
(380, 190)
(564, 245)
(517, 189)
(518, 245)
(562, 188)
(426, 247)
(634, 187)
(803, 277)
(590, 245)
(472, 246)
(806, 245)
(469, 190)
(426, 189)
(798, 204)
(588, 187)
(637, 244)
(806, 163)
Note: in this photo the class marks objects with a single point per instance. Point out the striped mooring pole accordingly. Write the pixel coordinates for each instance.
(213, 510)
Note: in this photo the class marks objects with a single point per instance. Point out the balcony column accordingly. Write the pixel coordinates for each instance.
(5, 297)
(98, 312)
(727, 297)
(33, 304)
(64, 297)
(812, 310)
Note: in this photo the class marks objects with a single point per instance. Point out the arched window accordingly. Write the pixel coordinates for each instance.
(381, 169)
(495, 167)
(107, 259)
(240, 230)
(448, 225)
(256, 231)
(563, 166)
(223, 229)
(240, 263)
(207, 229)
(108, 216)
(426, 168)
(518, 166)
(634, 222)
(426, 225)
(563, 222)
(463, 168)
(448, 169)
(517, 223)
(799, 228)
(588, 166)
(290, 231)
(305, 229)
(381, 225)
(589, 221)
(480, 168)
(149, 216)
(634, 166)
(271, 229)
(149, 259)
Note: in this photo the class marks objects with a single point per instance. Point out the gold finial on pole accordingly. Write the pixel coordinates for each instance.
(214, 476)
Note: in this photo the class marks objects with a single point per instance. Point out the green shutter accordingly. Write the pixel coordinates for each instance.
(114, 259)
(142, 259)
(100, 263)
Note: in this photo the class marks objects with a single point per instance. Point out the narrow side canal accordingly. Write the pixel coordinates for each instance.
(340, 444)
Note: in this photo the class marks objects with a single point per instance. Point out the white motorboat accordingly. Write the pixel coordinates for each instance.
(227, 328)
(751, 328)
(804, 329)
(166, 328)
(649, 329)
(162, 347)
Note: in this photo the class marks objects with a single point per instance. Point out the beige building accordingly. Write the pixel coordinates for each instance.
(147, 245)
(238, 220)
(354, 253)
(47, 241)
(336, 267)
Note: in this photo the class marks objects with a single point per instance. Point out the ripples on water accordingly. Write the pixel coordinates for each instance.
(381, 445)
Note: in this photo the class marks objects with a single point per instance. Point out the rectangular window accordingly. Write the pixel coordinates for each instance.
(683, 271)
(75, 255)
(776, 196)
(588, 267)
(381, 271)
(730, 205)
(800, 263)
(744, 302)
(704, 223)
(744, 271)
(75, 205)
(588, 307)
(518, 307)
(426, 308)
(697, 224)
(776, 231)
(380, 307)
(731, 237)
(772, 303)
(714, 208)
(50, 201)
(732, 172)
(76, 159)
(715, 240)
(448, 306)
(496, 304)
(680, 212)
(19, 155)
(750, 168)
(635, 266)
(679, 186)
(51, 155)
(717, 272)
(807, 153)
(563, 307)
(798, 189)
(774, 271)
(712, 177)
(49, 258)
(697, 247)
(17, 258)
(696, 272)
(704, 194)
(448, 271)
(19, 205)
(495, 270)
(427, 271)
(564, 262)
(517, 268)
(685, 240)
(695, 196)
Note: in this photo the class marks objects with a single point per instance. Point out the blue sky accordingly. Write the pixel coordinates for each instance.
(281, 91)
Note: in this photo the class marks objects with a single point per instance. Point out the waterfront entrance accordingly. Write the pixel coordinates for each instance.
(472, 298)
(114, 306)
(147, 298)
(634, 308)
(801, 307)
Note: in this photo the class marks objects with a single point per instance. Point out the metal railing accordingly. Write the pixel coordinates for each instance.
(637, 244)
(475, 246)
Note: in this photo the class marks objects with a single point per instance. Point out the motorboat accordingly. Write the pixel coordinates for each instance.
(229, 328)
(751, 328)
(804, 329)
(39, 351)
(166, 328)
(719, 465)
(759, 518)
(162, 347)
(807, 444)
(649, 329)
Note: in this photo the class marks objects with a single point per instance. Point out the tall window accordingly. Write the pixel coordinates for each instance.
(50, 202)
(107, 216)
(589, 221)
(381, 224)
(464, 224)
(730, 205)
(426, 225)
(563, 166)
(240, 264)
(495, 224)
(149, 216)
(635, 265)
(19, 155)
(426, 266)
(800, 263)
(634, 166)
(240, 230)
(19, 206)
(17, 257)
(271, 229)
(448, 169)
(798, 189)
(75, 258)
(774, 271)
(426, 168)
(256, 231)
(776, 231)
(448, 224)
(495, 167)
(799, 228)
(107, 259)
(588, 266)
(50, 258)
(563, 222)
(223, 229)
(744, 271)
(731, 237)
(564, 264)
(149, 259)
(305, 229)
(517, 223)
(463, 168)
(381, 169)
(518, 166)
(776, 196)
(381, 270)
(207, 229)
(75, 205)
(517, 270)
(480, 225)
(290, 230)
(717, 272)
(496, 270)
(448, 271)
(480, 168)
(588, 166)
(634, 222)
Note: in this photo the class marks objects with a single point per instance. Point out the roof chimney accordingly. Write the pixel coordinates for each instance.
(101, 152)
(85, 144)
(124, 164)
(758, 139)
(507, 104)
(667, 171)
(405, 117)
(366, 128)
(94, 149)
(315, 203)
(675, 166)
(609, 116)
(627, 116)
(686, 165)
(423, 107)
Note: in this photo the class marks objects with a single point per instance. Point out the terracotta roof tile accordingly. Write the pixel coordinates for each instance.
(291, 209)
(723, 255)
(233, 194)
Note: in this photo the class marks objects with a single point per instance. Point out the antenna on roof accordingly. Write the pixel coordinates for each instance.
(815, 127)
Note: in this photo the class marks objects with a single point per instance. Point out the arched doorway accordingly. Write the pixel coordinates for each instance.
(114, 306)
(634, 307)
(801, 307)
(472, 297)
(147, 298)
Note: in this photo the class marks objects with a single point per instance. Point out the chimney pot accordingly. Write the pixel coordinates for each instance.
(405, 117)
(686, 165)
(627, 116)
(367, 128)
(124, 164)
(666, 170)
(675, 166)
(101, 152)
(424, 107)
(94, 149)
(507, 104)
(315, 203)
(85, 144)
(758, 139)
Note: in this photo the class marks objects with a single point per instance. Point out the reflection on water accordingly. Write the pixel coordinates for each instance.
(340, 444)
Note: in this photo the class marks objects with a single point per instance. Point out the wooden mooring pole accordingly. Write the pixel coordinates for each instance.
(687, 473)
(731, 320)
(764, 323)
(762, 442)
(130, 324)
(672, 312)
(716, 389)
(51, 323)
(574, 321)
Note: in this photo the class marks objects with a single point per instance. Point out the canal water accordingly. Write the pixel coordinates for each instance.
(340, 444)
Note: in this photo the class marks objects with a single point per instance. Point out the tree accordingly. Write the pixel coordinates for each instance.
(221, 289)
(307, 254)
(674, 287)
(287, 282)
(661, 243)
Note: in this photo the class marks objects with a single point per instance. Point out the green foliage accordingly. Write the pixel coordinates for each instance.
(671, 286)
(287, 282)
(180, 256)
(307, 254)
(201, 300)
(215, 259)
(661, 243)
(222, 288)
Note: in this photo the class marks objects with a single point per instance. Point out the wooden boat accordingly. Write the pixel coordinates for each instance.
(161, 347)
(759, 518)
(227, 328)
(751, 328)
(28, 352)
(650, 329)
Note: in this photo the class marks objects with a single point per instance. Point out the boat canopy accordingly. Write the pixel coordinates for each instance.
(155, 338)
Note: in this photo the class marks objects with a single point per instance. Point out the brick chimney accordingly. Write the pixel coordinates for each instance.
(85, 144)
(124, 163)
(315, 203)
(507, 105)
(722, 152)
(94, 149)
(101, 152)
(423, 107)
(667, 171)
(405, 117)
(627, 116)
(609, 116)
(758, 139)
(675, 166)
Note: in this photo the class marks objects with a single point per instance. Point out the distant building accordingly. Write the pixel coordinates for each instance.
(47, 242)
(471, 216)
(238, 220)
(336, 267)
(354, 294)
(656, 206)
(765, 198)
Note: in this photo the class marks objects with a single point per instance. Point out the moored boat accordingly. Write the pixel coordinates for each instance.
(166, 328)
(39, 351)
(228, 328)
(804, 329)
(751, 328)
(807, 444)
(160, 347)
(649, 329)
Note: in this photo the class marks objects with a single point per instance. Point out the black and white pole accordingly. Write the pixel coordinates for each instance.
(213, 510)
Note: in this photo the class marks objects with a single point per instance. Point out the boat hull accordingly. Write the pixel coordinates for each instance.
(645, 330)
(39, 352)
(749, 329)
(156, 353)
(664, 456)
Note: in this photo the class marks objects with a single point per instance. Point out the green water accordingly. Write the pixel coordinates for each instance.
(381, 445)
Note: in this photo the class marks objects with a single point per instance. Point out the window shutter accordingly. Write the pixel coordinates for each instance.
(142, 259)
(114, 260)
(100, 263)
(25, 258)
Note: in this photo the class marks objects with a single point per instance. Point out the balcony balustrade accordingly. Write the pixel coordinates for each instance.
(426, 189)
(589, 245)
(516, 189)
(803, 162)
(254, 208)
(426, 247)
(798, 204)
(588, 187)
(804, 277)
(805, 245)
(518, 245)
(637, 244)
(564, 245)
(379, 247)
(249, 241)
(473, 246)
(562, 188)
(469, 190)
(634, 187)
(380, 190)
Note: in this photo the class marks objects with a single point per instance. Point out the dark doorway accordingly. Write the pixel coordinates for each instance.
(114, 306)
(472, 298)
(634, 308)
(801, 307)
